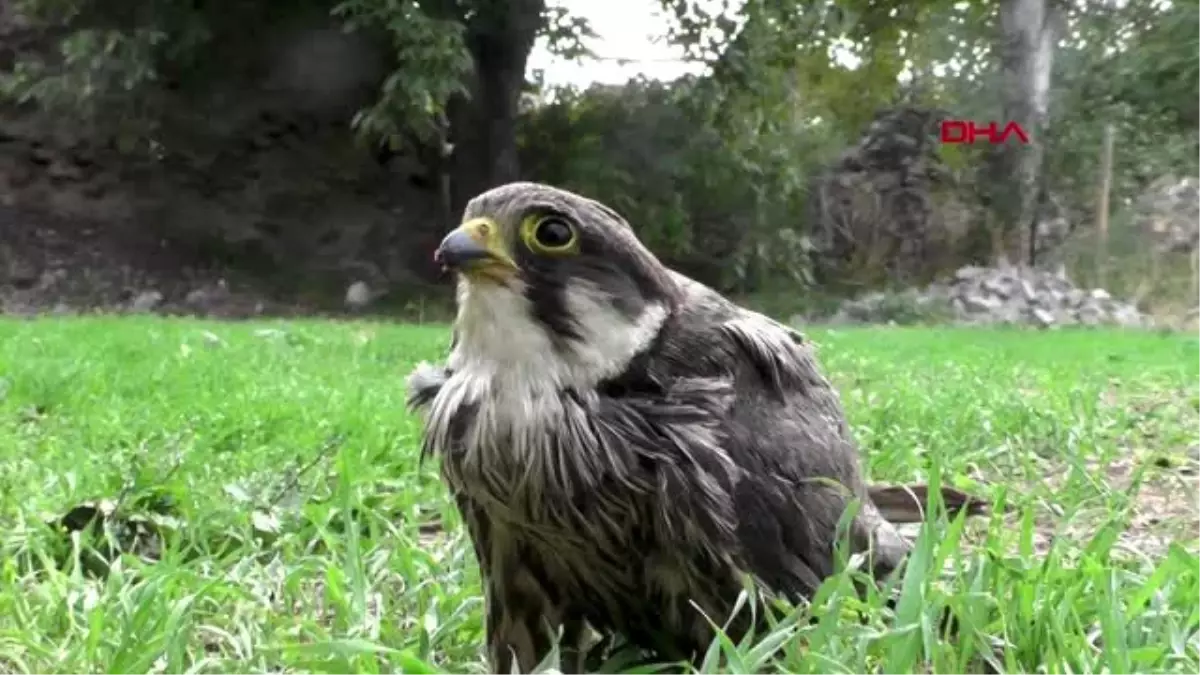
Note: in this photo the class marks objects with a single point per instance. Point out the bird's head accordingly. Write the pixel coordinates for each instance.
(552, 278)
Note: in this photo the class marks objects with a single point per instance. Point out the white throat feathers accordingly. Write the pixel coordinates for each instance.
(499, 339)
(506, 368)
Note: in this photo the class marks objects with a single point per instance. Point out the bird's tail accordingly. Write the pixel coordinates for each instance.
(906, 503)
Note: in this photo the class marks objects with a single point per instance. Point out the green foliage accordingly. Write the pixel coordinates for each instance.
(566, 35)
(432, 62)
(97, 65)
(1157, 70)
(102, 67)
(1134, 68)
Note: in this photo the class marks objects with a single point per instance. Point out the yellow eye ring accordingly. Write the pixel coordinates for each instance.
(549, 235)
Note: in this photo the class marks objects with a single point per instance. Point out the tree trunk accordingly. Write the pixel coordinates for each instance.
(483, 124)
(1028, 31)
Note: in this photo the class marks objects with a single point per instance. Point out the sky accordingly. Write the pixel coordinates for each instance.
(633, 31)
(626, 29)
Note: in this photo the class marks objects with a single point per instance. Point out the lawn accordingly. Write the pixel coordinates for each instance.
(266, 511)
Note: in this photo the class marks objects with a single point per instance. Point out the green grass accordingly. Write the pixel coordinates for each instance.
(286, 526)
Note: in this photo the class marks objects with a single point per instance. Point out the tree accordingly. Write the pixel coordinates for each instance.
(468, 106)
(1029, 31)
(499, 37)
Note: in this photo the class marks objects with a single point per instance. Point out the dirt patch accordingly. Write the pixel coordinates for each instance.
(1159, 503)
(1152, 480)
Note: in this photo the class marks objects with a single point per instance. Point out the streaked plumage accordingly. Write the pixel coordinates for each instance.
(622, 441)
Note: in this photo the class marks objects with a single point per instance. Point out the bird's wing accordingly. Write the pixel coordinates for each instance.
(786, 432)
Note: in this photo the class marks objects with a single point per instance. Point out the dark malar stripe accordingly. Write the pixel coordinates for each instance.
(547, 300)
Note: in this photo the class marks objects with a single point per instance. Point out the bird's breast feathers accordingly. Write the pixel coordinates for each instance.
(518, 418)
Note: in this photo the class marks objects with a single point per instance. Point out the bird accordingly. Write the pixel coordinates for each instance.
(628, 449)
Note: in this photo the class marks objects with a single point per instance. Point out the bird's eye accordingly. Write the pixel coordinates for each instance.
(553, 234)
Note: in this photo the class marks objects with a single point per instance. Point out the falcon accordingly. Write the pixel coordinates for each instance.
(626, 447)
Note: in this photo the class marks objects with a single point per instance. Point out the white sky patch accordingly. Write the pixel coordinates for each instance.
(630, 30)
(631, 41)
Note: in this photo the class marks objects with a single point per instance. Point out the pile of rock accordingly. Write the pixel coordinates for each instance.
(1004, 295)
(991, 295)
(1169, 211)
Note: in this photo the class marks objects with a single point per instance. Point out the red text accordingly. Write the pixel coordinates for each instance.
(967, 131)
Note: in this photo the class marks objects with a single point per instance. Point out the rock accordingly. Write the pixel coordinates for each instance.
(878, 197)
(64, 171)
(981, 303)
(22, 275)
(1042, 317)
(1028, 293)
(1128, 316)
(50, 277)
(1169, 213)
(146, 301)
(358, 295)
(999, 285)
(968, 273)
(41, 155)
(195, 298)
(1090, 315)
(206, 297)
(1002, 295)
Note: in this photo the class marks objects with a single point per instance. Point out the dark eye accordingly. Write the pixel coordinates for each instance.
(553, 233)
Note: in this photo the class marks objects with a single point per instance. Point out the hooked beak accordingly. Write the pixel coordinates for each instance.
(476, 249)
